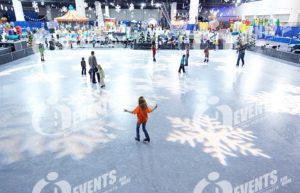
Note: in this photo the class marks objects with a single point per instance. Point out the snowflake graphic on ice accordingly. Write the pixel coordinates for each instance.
(218, 140)
(71, 126)
(284, 100)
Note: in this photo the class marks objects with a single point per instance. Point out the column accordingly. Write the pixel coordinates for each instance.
(194, 6)
(48, 13)
(173, 10)
(18, 10)
(294, 16)
(80, 7)
(107, 11)
(99, 14)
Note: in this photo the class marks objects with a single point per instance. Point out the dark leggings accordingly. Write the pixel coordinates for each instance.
(83, 71)
(144, 130)
(241, 57)
(181, 68)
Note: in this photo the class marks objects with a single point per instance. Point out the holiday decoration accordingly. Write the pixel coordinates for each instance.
(131, 7)
(141, 38)
(72, 16)
(213, 25)
(30, 39)
(18, 30)
(203, 25)
(148, 37)
(64, 9)
(35, 6)
(3, 19)
(118, 8)
(277, 22)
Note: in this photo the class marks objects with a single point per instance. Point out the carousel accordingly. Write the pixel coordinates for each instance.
(70, 27)
(72, 17)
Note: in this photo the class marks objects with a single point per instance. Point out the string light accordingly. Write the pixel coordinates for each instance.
(34, 19)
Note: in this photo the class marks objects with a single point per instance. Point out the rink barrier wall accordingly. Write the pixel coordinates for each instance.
(14, 51)
(12, 56)
(287, 56)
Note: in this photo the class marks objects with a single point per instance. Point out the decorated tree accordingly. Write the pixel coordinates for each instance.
(277, 22)
(142, 38)
(148, 37)
(30, 39)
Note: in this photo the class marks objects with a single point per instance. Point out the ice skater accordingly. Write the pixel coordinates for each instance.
(93, 66)
(142, 111)
(187, 49)
(181, 67)
(42, 51)
(83, 67)
(100, 75)
(241, 51)
(153, 48)
(206, 53)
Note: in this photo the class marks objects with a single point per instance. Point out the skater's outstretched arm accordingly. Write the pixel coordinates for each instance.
(127, 111)
(154, 108)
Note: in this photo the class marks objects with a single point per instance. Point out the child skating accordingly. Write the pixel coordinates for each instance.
(142, 111)
(206, 53)
(181, 67)
(102, 76)
(153, 48)
(42, 51)
(83, 67)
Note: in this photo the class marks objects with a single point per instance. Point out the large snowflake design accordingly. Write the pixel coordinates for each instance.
(59, 127)
(284, 100)
(218, 140)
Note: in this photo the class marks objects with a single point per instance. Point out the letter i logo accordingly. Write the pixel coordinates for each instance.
(213, 186)
(56, 187)
(220, 112)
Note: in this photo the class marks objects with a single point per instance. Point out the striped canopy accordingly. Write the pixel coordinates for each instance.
(72, 16)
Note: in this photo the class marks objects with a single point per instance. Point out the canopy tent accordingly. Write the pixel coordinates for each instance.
(72, 16)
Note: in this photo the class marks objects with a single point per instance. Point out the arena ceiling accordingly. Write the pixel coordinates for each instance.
(181, 4)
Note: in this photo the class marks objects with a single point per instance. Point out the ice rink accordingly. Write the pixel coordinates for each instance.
(217, 129)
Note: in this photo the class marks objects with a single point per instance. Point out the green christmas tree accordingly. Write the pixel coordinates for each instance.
(30, 39)
(277, 22)
(142, 38)
(148, 37)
